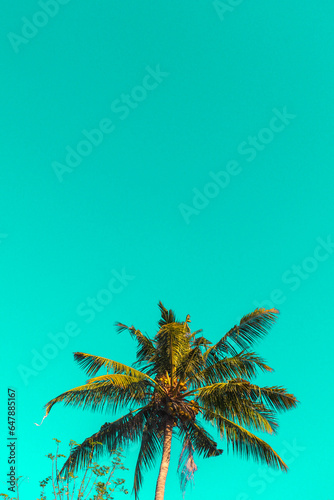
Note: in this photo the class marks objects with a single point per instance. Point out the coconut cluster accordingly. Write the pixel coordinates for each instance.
(174, 404)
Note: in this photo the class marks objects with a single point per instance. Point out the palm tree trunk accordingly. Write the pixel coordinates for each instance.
(160, 490)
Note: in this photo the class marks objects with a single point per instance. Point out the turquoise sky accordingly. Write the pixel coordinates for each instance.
(174, 151)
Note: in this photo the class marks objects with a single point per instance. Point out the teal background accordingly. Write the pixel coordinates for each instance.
(119, 209)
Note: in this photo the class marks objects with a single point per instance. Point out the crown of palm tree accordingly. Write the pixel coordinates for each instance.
(179, 382)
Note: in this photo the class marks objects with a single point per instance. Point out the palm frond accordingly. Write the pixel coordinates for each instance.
(275, 397)
(244, 364)
(251, 328)
(195, 439)
(166, 316)
(193, 334)
(171, 344)
(186, 467)
(203, 443)
(191, 364)
(92, 364)
(112, 435)
(107, 392)
(269, 416)
(238, 408)
(151, 445)
(145, 349)
(244, 442)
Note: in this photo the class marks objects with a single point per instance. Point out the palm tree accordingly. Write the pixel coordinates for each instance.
(179, 382)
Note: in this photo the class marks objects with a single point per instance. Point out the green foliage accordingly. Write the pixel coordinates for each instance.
(97, 482)
(18, 481)
(181, 381)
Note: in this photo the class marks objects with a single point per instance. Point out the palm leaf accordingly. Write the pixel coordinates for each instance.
(244, 364)
(172, 342)
(166, 316)
(195, 439)
(191, 364)
(146, 347)
(92, 364)
(245, 411)
(275, 397)
(244, 442)
(251, 328)
(110, 437)
(151, 445)
(202, 442)
(110, 391)
(186, 467)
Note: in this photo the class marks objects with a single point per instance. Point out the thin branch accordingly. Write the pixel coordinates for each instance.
(53, 480)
